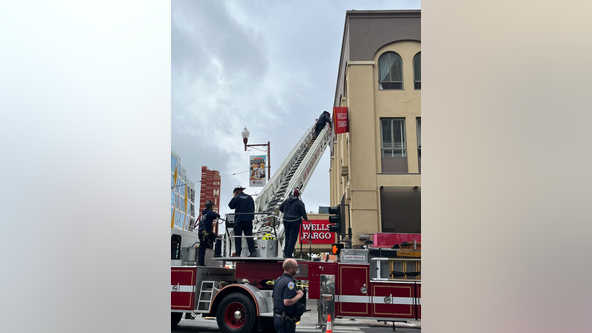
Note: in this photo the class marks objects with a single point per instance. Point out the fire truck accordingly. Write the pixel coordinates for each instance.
(380, 283)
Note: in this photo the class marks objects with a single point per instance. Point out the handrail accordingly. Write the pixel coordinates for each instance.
(309, 240)
(302, 175)
(273, 194)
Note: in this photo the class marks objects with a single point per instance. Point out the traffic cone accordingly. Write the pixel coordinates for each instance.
(329, 329)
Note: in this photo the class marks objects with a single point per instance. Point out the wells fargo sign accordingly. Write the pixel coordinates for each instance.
(317, 231)
(340, 120)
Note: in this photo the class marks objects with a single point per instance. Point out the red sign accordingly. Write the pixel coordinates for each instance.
(318, 232)
(386, 239)
(340, 120)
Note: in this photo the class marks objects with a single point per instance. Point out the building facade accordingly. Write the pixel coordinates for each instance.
(182, 196)
(210, 189)
(376, 164)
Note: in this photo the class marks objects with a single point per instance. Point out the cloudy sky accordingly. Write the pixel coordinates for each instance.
(268, 65)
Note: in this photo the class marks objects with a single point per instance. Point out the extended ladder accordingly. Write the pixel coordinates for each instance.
(295, 171)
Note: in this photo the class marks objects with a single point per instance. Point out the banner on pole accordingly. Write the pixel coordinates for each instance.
(257, 171)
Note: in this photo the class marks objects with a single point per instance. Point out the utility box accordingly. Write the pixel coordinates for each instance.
(326, 303)
(189, 254)
(356, 256)
(265, 248)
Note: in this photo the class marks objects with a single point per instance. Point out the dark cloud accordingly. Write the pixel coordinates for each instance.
(268, 65)
(204, 30)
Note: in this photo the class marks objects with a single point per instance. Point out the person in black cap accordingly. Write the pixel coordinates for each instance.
(324, 118)
(294, 212)
(243, 223)
(205, 234)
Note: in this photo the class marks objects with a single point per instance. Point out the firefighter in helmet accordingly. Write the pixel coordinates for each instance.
(294, 213)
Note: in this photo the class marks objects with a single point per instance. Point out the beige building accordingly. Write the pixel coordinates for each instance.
(376, 166)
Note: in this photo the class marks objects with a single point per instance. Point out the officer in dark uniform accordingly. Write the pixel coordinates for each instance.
(285, 296)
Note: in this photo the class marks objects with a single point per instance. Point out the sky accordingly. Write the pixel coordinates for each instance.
(268, 65)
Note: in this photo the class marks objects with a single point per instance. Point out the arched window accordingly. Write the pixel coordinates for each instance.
(417, 71)
(390, 71)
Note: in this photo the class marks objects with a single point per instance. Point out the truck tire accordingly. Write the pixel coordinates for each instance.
(236, 314)
(176, 318)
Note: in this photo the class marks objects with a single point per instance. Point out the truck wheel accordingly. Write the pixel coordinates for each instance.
(236, 314)
(176, 318)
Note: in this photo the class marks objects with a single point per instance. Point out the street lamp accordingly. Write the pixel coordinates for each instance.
(245, 135)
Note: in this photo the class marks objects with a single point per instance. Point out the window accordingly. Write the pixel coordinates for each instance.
(393, 137)
(390, 71)
(419, 137)
(175, 247)
(419, 144)
(417, 71)
(400, 209)
(179, 185)
(178, 219)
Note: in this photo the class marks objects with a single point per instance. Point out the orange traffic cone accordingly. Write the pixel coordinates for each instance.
(329, 329)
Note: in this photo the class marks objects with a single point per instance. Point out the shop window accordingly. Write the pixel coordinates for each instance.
(400, 209)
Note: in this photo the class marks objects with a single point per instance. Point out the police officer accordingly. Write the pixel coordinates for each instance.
(285, 296)
(205, 234)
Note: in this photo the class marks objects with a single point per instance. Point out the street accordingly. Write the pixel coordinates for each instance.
(308, 324)
(201, 324)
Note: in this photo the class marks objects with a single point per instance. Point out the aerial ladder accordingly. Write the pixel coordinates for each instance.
(295, 171)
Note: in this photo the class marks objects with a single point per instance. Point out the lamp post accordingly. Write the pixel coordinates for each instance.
(245, 135)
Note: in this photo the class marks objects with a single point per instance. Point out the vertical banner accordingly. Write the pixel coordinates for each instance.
(257, 171)
(340, 120)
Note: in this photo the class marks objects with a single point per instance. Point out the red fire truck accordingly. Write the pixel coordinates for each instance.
(379, 283)
(239, 297)
(366, 283)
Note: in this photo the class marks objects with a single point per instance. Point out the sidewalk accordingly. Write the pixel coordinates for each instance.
(310, 318)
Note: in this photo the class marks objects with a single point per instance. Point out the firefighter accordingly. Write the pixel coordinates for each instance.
(286, 294)
(294, 212)
(324, 119)
(205, 234)
(243, 223)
